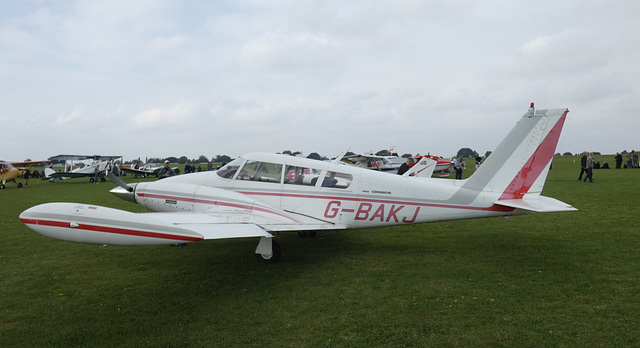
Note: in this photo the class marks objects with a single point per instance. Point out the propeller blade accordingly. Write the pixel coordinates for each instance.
(116, 180)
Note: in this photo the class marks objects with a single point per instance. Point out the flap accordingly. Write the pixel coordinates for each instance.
(239, 224)
(221, 231)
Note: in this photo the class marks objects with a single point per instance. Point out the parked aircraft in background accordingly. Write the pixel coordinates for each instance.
(147, 169)
(392, 163)
(9, 171)
(389, 163)
(443, 166)
(102, 163)
(260, 195)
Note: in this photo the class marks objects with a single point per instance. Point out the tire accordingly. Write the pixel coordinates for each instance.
(275, 256)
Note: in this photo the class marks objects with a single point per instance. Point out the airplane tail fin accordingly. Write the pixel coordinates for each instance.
(518, 168)
(48, 172)
(424, 168)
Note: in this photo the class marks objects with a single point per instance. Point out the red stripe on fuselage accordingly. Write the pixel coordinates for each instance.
(493, 207)
(536, 164)
(114, 230)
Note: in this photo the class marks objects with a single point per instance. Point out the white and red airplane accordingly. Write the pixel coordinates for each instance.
(443, 166)
(260, 195)
(391, 164)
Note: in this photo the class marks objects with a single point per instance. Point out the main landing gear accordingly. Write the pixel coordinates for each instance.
(3, 185)
(268, 250)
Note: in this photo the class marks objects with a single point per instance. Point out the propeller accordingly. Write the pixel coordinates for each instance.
(116, 180)
(123, 190)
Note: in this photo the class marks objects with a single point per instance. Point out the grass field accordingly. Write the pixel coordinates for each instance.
(560, 279)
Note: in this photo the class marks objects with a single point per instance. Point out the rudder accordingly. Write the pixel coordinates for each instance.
(520, 163)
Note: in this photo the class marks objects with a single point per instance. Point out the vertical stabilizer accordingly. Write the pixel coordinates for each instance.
(520, 164)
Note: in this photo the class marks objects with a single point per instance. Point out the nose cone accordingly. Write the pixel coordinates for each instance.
(123, 193)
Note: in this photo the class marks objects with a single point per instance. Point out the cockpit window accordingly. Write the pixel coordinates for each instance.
(337, 180)
(230, 169)
(260, 171)
(301, 176)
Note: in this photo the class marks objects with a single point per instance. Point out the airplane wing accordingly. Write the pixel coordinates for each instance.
(28, 163)
(70, 157)
(233, 224)
(69, 175)
(367, 161)
(101, 225)
(153, 171)
(81, 157)
(106, 158)
(138, 171)
(366, 158)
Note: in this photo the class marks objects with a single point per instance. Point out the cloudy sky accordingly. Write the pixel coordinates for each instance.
(162, 78)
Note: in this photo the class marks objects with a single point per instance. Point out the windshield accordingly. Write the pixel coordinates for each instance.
(260, 171)
(230, 169)
(5, 166)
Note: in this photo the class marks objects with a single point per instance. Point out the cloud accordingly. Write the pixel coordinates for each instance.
(164, 116)
(74, 115)
(318, 76)
(163, 43)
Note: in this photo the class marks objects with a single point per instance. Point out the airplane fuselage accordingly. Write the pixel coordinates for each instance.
(359, 198)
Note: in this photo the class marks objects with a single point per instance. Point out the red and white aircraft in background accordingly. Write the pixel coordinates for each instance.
(391, 164)
(260, 195)
(443, 166)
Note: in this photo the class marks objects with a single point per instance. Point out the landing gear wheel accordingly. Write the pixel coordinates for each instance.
(19, 185)
(276, 252)
(2, 186)
(91, 180)
(103, 179)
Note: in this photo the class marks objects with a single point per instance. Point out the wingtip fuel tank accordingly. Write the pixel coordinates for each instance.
(94, 224)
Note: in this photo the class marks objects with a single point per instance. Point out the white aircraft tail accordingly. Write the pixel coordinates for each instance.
(518, 167)
(48, 172)
(424, 168)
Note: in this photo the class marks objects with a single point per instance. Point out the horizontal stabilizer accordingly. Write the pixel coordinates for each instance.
(539, 204)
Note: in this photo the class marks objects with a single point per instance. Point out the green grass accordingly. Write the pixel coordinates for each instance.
(560, 279)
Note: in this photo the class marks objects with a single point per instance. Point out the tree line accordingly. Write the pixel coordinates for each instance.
(464, 152)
